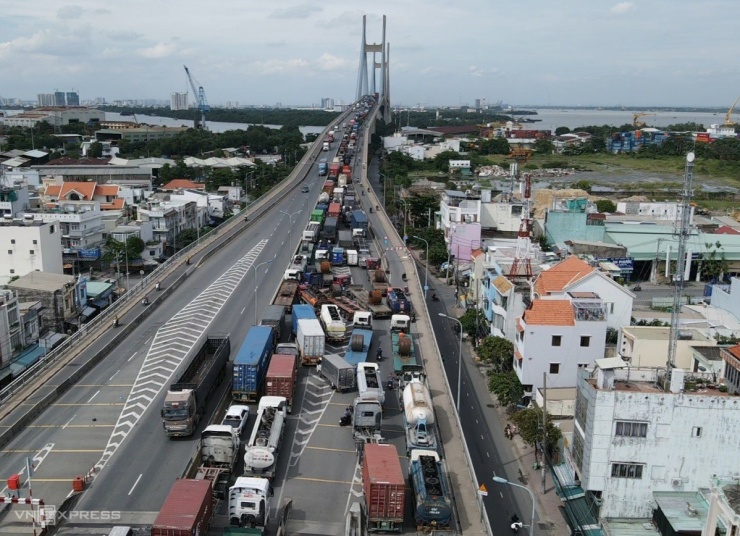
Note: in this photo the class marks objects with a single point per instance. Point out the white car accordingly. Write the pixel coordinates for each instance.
(236, 417)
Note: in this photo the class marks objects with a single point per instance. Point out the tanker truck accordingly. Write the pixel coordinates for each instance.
(432, 499)
(261, 452)
(418, 416)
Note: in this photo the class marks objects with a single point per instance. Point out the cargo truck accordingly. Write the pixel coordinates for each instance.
(311, 341)
(287, 294)
(329, 231)
(250, 504)
(338, 257)
(398, 301)
(261, 452)
(281, 376)
(334, 210)
(332, 322)
(418, 415)
(347, 170)
(432, 497)
(369, 383)
(185, 401)
(339, 373)
(324, 198)
(379, 280)
(352, 257)
(311, 233)
(371, 301)
(302, 311)
(251, 363)
(384, 488)
(187, 510)
(317, 215)
(358, 220)
(405, 362)
(323, 167)
(345, 239)
(274, 316)
(359, 346)
(334, 171)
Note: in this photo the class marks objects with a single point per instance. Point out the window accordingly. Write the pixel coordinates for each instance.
(10, 252)
(34, 242)
(696, 431)
(12, 241)
(12, 271)
(627, 470)
(30, 252)
(631, 429)
(585, 341)
(51, 229)
(554, 368)
(556, 340)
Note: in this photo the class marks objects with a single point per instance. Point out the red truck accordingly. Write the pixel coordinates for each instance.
(187, 509)
(347, 170)
(384, 487)
(334, 211)
(280, 378)
(334, 170)
(328, 187)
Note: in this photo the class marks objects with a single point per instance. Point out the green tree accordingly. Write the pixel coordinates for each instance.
(529, 421)
(497, 145)
(497, 351)
(713, 263)
(583, 185)
(96, 150)
(542, 146)
(442, 160)
(131, 249)
(606, 205)
(506, 386)
(561, 130)
(470, 321)
(186, 237)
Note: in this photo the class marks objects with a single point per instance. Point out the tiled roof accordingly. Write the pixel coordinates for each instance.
(175, 184)
(550, 313)
(726, 229)
(53, 190)
(561, 275)
(68, 161)
(734, 351)
(116, 204)
(84, 189)
(502, 284)
(106, 189)
(476, 253)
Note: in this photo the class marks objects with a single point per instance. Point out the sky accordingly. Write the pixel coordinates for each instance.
(448, 53)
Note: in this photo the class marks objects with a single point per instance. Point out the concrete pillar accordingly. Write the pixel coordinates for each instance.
(711, 525)
(687, 269)
(654, 271)
(667, 260)
(698, 273)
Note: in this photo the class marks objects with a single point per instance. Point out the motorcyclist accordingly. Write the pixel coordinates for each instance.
(515, 523)
(379, 354)
(435, 297)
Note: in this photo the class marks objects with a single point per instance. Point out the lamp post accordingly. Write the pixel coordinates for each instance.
(290, 229)
(385, 189)
(500, 480)
(255, 267)
(125, 249)
(405, 213)
(426, 266)
(459, 359)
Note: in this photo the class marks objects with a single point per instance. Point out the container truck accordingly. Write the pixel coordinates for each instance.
(359, 346)
(347, 170)
(251, 363)
(371, 301)
(334, 210)
(384, 488)
(405, 362)
(367, 417)
(338, 195)
(339, 373)
(332, 322)
(261, 452)
(281, 376)
(323, 167)
(287, 294)
(311, 233)
(358, 220)
(432, 498)
(418, 414)
(338, 257)
(400, 323)
(369, 383)
(352, 257)
(274, 316)
(325, 147)
(345, 239)
(317, 215)
(187, 510)
(334, 171)
(311, 341)
(329, 232)
(286, 348)
(185, 401)
(250, 504)
(398, 301)
(302, 311)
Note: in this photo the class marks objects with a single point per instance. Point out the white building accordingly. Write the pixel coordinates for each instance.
(11, 332)
(500, 217)
(55, 115)
(13, 201)
(178, 101)
(557, 338)
(574, 276)
(647, 346)
(637, 433)
(658, 211)
(29, 245)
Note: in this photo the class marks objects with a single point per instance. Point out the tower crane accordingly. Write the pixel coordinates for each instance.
(522, 265)
(728, 115)
(200, 98)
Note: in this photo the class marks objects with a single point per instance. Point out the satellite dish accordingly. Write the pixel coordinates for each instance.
(690, 157)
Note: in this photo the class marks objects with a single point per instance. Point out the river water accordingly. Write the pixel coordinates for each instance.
(552, 118)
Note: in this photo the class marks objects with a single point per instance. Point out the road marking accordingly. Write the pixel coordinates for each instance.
(481, 436)
(37, 460)
(501, 493)
(69, 421)
(70, 426)
(137, 481)
(119, 370)
(282, 243)
(93, 396)
(65, 404)
(488, 454)
(243, 311)
(133, 356)
(331, 449)
(56, 451)
(322, 480)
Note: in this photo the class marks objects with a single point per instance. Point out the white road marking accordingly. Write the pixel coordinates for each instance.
(93, 396)
(40, 457)
(69, 421)
(109, 379)
(244, 309)
(133, 356)
(488, 454)
(132, 487)
(501, 493)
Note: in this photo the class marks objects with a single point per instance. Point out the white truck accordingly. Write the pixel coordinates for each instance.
(311, 233)
(369, 382)
(418, 414)
(219, 450)
(333, 324)
(249, 503)
(311, 341)
(261, 452)
(362, 319)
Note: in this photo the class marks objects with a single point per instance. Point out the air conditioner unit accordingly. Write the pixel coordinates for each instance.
(676, 482)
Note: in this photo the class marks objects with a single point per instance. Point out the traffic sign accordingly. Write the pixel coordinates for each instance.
(482, 491)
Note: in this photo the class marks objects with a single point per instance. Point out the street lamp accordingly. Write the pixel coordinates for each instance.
(405, 213)
(500, 480)
(426, 266)
(290, 229)
(385, 189)
(459, 359)
(255, 266)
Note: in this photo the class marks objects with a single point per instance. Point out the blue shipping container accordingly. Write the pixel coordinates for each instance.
(359, 219)
(250, 364)
(302, 311)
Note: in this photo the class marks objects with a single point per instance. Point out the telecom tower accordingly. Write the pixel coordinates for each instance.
(522, 265)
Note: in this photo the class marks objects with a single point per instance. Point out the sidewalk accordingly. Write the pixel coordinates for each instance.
(549, 506)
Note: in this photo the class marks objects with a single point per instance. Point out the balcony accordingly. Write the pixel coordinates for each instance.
(589, 311)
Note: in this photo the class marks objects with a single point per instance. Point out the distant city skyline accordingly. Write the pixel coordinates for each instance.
(579, 53)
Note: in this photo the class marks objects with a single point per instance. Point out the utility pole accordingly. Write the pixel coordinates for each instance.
(544, 430)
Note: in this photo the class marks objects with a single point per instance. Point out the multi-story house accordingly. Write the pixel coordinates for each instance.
(169, 219)
(502, 304)
(639, 432)
(27, 245)
(11, 330)
(459, 218)
(62, 297)
(557, 338)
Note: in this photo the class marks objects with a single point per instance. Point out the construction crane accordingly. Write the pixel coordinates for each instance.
(522, 265)
(728, 115)
(636, 119)
(200, 98)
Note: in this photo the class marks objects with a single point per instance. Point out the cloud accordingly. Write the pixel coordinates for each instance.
(160, 50)
(69, 12)
(475, 71)
(621, 7)
(47, 43)
(330, 62)
(301, 11)
(125, 36)
(281, 66)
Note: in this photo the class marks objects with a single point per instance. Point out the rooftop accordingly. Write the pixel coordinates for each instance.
(652, 333)
(686, 511)
(558, 277)
(174, 184)
(550, 313)
(44, 281)
(650, 381)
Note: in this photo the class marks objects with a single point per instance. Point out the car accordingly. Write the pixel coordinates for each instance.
(236, 417)
(305, 189)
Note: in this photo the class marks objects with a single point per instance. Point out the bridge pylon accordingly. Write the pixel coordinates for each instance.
(365, 85)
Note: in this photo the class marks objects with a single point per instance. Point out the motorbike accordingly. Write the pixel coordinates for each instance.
(391, 383)
(406, 290)
(637, 288)
(145, 301)
(346, 419)
(379, 355)
(515, 523)
(158, 286)
(403, 276)
(435, 297)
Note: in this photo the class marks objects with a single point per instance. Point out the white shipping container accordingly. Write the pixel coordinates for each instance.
(311, 338)
(352, 257)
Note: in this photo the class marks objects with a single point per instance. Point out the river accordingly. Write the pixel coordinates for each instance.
(552, 118)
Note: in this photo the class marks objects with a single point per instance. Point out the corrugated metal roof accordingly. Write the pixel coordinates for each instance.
(685, 511)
